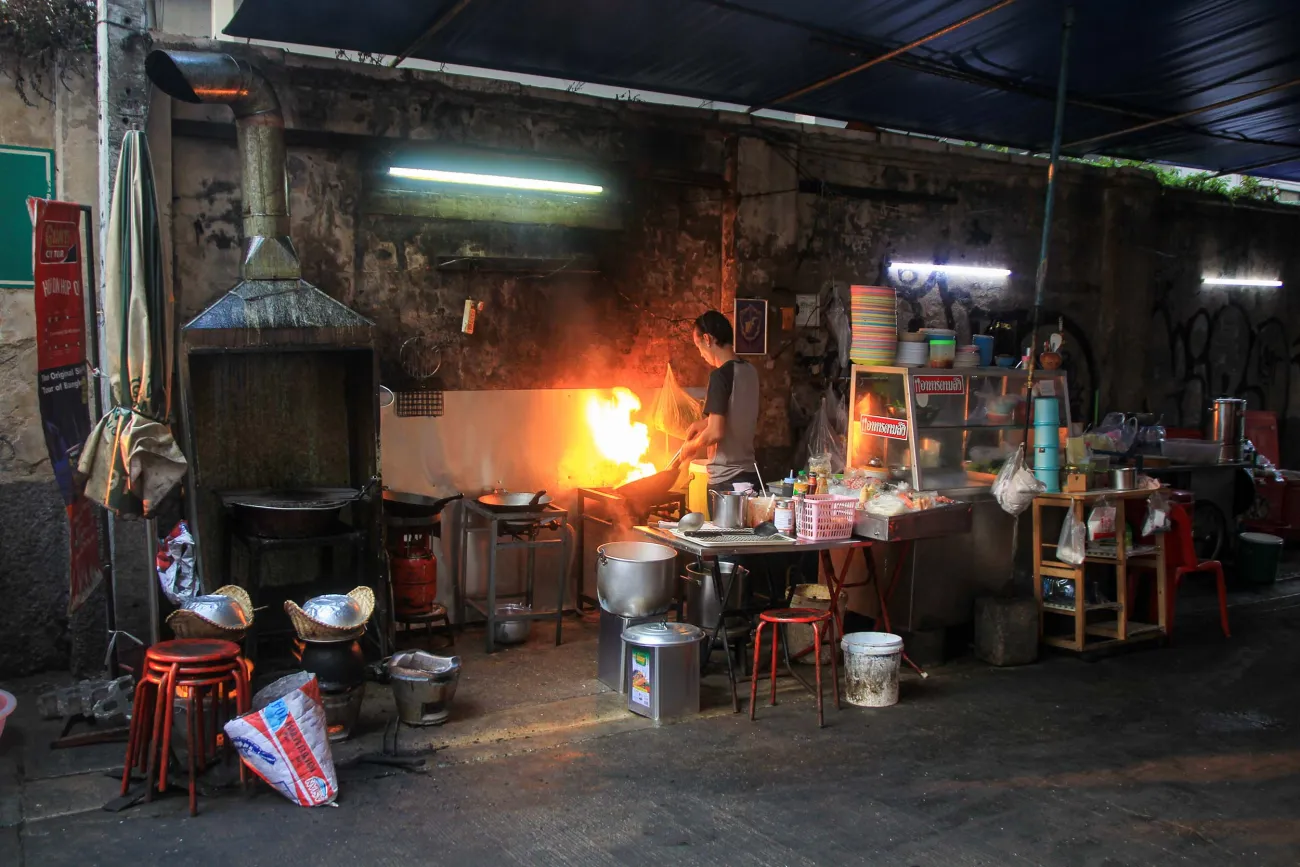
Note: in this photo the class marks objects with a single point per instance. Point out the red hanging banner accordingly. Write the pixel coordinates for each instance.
(62, 388)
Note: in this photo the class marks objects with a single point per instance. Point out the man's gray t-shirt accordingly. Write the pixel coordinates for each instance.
(733, 393)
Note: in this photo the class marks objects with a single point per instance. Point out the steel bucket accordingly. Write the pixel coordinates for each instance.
(635, 579)
(701, 597)
(423, 686)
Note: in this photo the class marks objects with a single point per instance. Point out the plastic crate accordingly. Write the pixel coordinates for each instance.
(826, 516)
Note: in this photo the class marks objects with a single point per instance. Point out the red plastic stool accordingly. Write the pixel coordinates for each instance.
(814, 617)
(202, 667)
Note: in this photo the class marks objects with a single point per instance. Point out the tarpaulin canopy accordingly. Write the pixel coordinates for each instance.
(991, 80)
(131, 461)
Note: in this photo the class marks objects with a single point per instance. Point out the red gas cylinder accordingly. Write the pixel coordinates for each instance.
(414, 575)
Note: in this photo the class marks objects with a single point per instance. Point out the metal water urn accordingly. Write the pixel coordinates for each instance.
(1227, 427)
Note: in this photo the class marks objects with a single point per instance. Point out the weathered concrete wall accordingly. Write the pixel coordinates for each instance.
(33, 529)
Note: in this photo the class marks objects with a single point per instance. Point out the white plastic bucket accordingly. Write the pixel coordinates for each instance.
(7, 705)
(871, 661)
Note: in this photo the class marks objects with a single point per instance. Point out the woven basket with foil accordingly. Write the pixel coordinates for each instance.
(311, 629)
(190, 624)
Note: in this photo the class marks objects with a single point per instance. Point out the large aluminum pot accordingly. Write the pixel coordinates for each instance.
(701, 597)
(635, 579)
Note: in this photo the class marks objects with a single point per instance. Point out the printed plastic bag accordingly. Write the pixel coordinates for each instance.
(1157, 519)
(175, 564)
(1015, 487)
(284, 740)
(1071, 545)
(1101, 521)
(674, 410)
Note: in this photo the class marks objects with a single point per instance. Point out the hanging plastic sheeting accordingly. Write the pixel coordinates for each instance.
(674, 411)
(837, 320)
(823, 442)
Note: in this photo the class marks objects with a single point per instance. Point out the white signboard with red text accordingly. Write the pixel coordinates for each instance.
(881, 426)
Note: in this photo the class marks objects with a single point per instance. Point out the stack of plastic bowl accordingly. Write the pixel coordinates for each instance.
(967, 356)
(1047, 442)
(874, 317)
(913, 351)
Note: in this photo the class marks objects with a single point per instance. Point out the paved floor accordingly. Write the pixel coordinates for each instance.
(1183, 755)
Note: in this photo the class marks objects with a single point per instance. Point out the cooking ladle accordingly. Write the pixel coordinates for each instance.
(691, 521)
(537, 498)
(766, 529)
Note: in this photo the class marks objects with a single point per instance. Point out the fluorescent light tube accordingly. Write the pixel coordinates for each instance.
(505, 181)
(951, 269)
(1233, 281)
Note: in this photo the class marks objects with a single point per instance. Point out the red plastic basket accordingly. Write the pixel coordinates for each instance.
(826, 516)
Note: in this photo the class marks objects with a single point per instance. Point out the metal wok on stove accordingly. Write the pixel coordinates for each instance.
(289, 513)
(515, 502)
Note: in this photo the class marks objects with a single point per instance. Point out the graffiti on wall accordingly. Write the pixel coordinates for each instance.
(1221, 353)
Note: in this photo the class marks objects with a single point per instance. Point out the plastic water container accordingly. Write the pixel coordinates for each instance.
(1047, 412)
(1047, 435)
(1047, 457)
(985, 344)
(871, 662)
(1051, 478)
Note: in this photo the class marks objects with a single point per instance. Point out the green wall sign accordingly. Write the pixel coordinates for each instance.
(23, 172)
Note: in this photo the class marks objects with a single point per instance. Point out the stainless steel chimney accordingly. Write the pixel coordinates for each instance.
(202, 76)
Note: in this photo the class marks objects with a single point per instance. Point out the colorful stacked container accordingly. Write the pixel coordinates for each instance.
(874, 317)
(1047, 443)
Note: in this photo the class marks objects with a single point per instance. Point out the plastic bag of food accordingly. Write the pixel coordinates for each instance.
(284, 740)
(1101, 521)
(1157, 519)
(1015, 487)
(175, 564)
(674, 410)
(886, 505)
(1072, 544)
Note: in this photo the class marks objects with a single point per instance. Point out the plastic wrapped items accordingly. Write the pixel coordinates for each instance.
(284, 741)
(1157, 519)
(674, 410)
(175, 564)
(1015, 487)
(825, 439)
(1072, 544)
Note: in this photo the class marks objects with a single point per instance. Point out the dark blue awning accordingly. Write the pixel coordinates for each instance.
(991, 81)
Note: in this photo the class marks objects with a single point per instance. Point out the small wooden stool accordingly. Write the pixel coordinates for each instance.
(814, 617)
(202, 667)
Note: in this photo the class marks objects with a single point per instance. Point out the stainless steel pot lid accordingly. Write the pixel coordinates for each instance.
(662, 634)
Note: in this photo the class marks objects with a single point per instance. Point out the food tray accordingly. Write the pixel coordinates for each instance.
(733, 540)
(948, 520)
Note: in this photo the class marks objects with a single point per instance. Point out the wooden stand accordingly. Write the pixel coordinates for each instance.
(1100, 632)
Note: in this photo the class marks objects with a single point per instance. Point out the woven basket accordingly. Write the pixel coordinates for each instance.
(311, 629)
(189, 624)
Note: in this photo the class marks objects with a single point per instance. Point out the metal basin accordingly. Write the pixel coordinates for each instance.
(508, 630)
(218, 609)
(335, 609)
(635, 579)
(701, 597)
(423, 686)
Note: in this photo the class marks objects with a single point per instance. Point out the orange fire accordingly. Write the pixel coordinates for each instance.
(620, 440)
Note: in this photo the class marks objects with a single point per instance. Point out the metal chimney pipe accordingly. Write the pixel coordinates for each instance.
(205, 76)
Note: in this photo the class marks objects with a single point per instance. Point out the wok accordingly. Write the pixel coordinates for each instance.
(289, 514)
(400, 504)
(515, 502)
(647, 492)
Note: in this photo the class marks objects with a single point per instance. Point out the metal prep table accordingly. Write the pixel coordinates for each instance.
(496, 525)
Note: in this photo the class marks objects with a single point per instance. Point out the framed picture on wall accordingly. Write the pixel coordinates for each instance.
(751, 326)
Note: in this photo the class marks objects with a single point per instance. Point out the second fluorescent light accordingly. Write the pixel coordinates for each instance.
(504, 181)
(970, 270)
(1234, 281)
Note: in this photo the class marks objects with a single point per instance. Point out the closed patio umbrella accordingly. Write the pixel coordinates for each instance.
(131, 460)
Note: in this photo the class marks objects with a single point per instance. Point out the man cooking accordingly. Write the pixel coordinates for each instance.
(730, 408)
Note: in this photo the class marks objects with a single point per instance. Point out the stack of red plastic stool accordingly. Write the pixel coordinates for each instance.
(814, 617)
(199, 669)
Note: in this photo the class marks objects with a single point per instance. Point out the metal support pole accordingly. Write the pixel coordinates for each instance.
(1040, 277)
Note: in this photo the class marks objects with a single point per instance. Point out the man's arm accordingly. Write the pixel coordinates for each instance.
(714, 428)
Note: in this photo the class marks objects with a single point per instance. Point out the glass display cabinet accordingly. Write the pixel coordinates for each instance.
(947, 430)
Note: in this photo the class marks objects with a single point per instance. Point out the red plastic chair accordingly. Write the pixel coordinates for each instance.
(1180, 560)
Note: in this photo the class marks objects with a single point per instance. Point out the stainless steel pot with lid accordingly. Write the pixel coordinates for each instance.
(662, 634)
